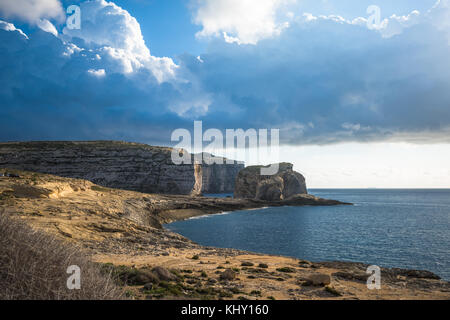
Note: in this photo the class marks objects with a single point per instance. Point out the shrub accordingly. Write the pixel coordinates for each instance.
(255, 293)
(332, 290)
(130, 276)
(100, 189)
(228, 275)
(286, 270)
(33, 266)
(247, 264)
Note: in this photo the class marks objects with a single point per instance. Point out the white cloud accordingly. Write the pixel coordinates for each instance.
(98, 73)
(115, 33)
(440, 16)
(47, 26)
(241, 21)
(10, 27)
(31, 10)
(388, 27)
(396, 24)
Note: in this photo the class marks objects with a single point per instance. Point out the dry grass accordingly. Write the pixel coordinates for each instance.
(33, 266)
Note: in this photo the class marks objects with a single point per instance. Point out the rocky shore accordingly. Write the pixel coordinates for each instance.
(122, 231)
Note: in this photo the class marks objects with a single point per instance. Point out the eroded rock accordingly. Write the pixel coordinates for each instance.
(285, 184)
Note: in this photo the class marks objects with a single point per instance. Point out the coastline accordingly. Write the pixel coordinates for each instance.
(124, 228)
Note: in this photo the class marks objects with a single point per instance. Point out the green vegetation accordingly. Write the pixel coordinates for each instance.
(100, 189)
(165, 289)
(130, 276)
(255, 270)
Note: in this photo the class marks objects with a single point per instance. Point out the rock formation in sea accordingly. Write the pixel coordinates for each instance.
(285, 184)
(122, 165)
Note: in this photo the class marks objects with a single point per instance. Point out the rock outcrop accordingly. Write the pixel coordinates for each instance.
(285, 184)
(122, 165)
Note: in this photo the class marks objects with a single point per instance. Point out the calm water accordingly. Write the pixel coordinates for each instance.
(391, 228)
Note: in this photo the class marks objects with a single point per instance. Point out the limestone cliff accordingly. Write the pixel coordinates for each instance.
(122, 165)
(220, 178)
(285, 184)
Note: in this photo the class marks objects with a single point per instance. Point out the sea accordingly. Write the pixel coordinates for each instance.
(402, 228)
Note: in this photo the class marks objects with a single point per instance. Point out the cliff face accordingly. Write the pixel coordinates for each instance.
(220, 178)
(121, 165)
(285, 184)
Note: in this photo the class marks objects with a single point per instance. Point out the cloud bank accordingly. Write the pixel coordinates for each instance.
(320, 79)
(31, 10)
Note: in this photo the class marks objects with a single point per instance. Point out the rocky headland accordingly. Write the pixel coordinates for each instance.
(122, 231)
(285, 184)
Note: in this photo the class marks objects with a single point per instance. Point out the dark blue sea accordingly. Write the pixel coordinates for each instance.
(385, 227)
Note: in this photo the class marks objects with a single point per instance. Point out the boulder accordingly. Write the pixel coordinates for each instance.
(250, 184)
(319, 279)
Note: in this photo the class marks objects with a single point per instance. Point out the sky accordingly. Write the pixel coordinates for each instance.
(358, 102)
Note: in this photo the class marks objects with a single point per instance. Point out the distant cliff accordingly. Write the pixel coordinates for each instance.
(123, 165)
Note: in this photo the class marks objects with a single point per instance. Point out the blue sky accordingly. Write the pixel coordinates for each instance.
(137, 70)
